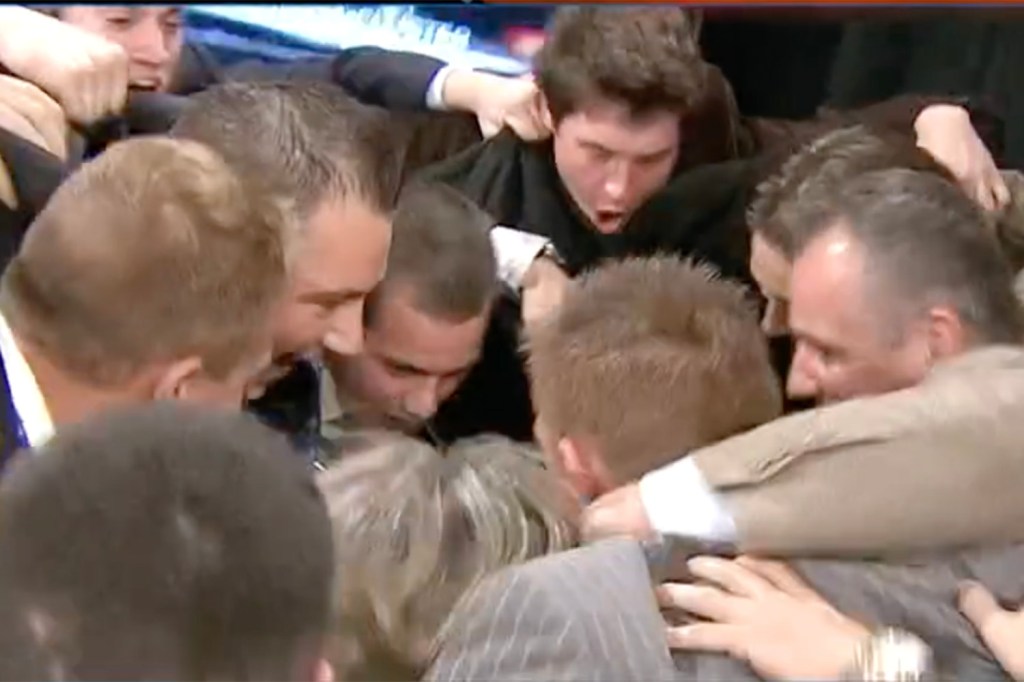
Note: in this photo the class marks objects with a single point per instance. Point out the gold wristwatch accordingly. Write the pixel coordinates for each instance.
(891, 655)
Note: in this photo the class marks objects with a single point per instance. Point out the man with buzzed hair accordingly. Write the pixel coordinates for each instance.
(647, 358)
(644, 357)
(426, 325)
(151, 273)
(164, 542)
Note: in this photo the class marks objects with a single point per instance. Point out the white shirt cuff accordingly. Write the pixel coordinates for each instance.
(515, 252)
(435, 91)
(678, 501)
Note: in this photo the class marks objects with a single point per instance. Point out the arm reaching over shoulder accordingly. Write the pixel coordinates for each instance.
(85, 73)
(946, 132)
(31, 114)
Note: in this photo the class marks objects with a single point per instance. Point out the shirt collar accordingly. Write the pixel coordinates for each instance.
(330, 408)
(26, 395)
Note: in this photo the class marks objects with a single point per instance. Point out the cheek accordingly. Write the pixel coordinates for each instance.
(651, 178)
(578, 172)
(856, 379)
(299, 327)
(378, 383)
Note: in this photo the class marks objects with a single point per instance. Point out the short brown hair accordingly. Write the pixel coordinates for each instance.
(152, 251)
(925, 243)
(301, 142)
(644, 57)
(651, 358)
(440, 248)
(833, 160)
(415, 528)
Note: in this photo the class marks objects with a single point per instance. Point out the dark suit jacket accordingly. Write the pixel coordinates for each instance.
(589, 614)
(35, 174)
(393, 80)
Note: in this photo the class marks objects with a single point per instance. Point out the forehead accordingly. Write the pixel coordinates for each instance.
(770, 268)
(402, 333)
(827, 289)
(72, 11)
(344, 245)
(612, 126)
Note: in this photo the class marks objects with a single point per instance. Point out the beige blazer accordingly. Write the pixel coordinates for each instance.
(939, 465)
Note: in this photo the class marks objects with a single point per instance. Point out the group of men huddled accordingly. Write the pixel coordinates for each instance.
(508, 410)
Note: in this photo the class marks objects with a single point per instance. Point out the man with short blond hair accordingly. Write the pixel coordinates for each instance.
(647, 359)
(150, 274)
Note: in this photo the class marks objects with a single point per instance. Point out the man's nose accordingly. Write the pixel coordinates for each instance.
(423, 401)
(802, 381)
(344, 333)
(616, 184)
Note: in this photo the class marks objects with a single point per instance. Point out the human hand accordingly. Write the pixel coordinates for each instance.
(31, 114)
(945, 131)
(544, 287)
(761, 612)
(619, 512)
(1001, 630)
(498, 101)
(85, 73)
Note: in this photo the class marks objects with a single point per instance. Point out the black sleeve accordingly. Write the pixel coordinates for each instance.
(35, 174)
(393, 80)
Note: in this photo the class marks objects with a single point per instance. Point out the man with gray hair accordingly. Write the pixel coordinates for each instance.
(876, 304)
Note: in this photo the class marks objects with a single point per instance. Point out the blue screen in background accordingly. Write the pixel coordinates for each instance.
(289, 31)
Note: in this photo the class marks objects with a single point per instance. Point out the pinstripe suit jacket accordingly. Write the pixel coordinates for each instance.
(585, 615)
(589, 614)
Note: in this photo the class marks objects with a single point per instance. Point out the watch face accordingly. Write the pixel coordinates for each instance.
(895, 656)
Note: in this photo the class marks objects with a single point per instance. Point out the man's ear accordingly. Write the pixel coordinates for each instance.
(946, 333)
(578, 465)
(544, 112)
(174, 380)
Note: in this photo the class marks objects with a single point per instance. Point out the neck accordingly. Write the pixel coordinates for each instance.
(68, 399)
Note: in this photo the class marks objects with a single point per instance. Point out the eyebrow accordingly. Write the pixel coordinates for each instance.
(409, 367)
(602, 148)
(331, 298)
(813, 338)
